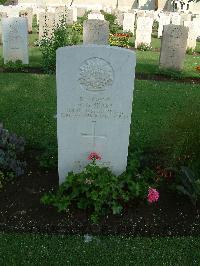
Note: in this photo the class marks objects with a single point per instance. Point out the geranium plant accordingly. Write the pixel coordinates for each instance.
(97, 189)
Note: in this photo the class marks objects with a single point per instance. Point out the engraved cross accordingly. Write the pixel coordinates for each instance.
(93, 136)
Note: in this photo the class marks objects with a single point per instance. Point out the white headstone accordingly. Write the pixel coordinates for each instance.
(63, 13)
(196, 21)
(185, 17)
(27, 13)
(12, 11)
(119, 16)
(173, 46)
(163, 20)
(75, 14)
(143, 31)
(176, 19)
(2, 15)
(15, 39)
(96, 16)
(94, 105)
(95, 31)
(81, 11)
(192, 34)
(128, 22)
(46, 24)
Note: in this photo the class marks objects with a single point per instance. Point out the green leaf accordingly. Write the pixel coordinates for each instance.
(116, 209)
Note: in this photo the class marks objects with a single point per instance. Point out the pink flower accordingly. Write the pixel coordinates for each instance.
(94, 156)
(153, 195)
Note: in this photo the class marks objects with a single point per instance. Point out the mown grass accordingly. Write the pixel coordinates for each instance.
(72, 250)
(28, 107)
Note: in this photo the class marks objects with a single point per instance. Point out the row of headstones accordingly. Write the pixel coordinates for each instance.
(173, 46)
(15, 40)
(143, 30)
(48, 20)
(122, 17)
(144, 25)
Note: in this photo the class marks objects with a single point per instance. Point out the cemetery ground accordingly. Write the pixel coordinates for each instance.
(164, 113)
(158, 107)
(27, 107)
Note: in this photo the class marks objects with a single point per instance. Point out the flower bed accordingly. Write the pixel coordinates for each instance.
(119, 39)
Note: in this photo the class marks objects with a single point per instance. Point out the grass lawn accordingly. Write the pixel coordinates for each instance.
(28, 107)
(72, 250)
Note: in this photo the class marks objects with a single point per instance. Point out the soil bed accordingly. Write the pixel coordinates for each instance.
(21, 211)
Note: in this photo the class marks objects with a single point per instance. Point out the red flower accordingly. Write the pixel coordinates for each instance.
(153, 195)
(121, 35)
(94, 156)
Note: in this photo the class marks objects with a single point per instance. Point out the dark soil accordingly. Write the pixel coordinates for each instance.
(32, 70)
(157, 77)
(21, 211)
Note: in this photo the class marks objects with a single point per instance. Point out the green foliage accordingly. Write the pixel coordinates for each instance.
(61, 37)
(49, 45)
(11, 147)
(155, 25)
(111, 18)
(83, 18)
(98, 190)
(14, 66)
(188, 184)
(77, 27)
(48, 157)
(144, 47)
(190, 51)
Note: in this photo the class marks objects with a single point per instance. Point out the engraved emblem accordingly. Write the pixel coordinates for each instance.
(96, 74)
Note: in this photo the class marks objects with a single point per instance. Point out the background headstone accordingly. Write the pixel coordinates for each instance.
(173, 46)
(163, 20)
(95, 31)
(185, 17)
(143, 31)
(119, 16)
(29, 11)
(129, 22)
(2, 15)
(15, 39)
(196, 21)
(96, 16)
(192, 34)
(94, 105)
(63, 13)
(176, 19)
(81, 11)
(46, 24)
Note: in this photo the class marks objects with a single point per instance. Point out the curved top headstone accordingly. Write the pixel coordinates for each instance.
(94, 103)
